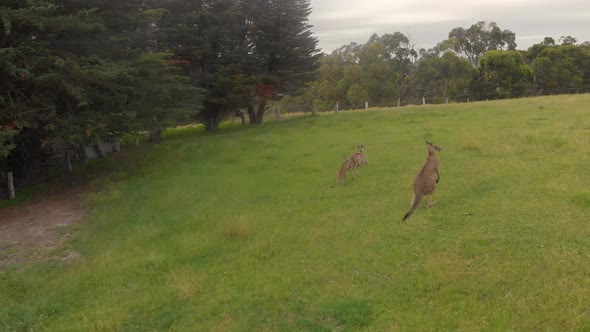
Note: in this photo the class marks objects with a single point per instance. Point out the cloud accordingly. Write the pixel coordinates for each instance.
(337, 23)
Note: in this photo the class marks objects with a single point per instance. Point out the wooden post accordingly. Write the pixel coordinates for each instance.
(278, 114)
(337, 107)
(136, 140)
(447, 100)
(11, 194)
(84, 153)
(398, 102)
(467, 99)
(100, 148)
(423, 101)
(366, 105)
(68, 161)
(314, 110)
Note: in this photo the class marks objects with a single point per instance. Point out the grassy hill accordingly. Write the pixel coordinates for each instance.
(242, 231)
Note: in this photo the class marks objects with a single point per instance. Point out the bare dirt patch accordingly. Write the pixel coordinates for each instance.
(33, 230)
(37, 229)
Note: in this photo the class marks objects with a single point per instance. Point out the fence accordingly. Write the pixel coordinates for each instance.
(51, 165)
(278, 108)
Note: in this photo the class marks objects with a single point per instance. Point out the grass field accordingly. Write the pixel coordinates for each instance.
(241, 230)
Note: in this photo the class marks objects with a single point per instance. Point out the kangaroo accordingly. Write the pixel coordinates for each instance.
(426, 181)
(346, 166)
(359, 158)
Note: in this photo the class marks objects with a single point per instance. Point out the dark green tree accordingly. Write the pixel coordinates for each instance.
(283, 50)
(357, 95)
(401, 54)
(504, 74)
(65, 85)
(209, 42)
(41, 96)
(443, 76)
(561, 68)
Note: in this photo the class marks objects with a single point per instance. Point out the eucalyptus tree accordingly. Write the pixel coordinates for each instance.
(479, 38)
(443, 76)
(504, 74)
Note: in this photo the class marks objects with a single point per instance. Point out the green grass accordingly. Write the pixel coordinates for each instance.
(23, 196)
(240, 230)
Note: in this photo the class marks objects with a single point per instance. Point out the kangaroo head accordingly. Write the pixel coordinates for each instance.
(432, 148)
(360, 147)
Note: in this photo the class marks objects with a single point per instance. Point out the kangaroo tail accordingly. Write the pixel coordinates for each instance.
(418, 197)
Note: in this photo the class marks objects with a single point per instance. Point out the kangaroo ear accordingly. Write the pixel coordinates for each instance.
(429, 143)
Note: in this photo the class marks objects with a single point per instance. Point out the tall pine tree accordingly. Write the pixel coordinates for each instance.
(283, 47)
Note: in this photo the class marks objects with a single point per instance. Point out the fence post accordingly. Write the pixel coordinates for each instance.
(68, 161)
(447, 100)
(99, 146)
(314, 110)
(337, 107)
(116, 144)
(398, 102)
(278, 114)
(11, 193)
(366, 105)
(467, 99)
(423, 101)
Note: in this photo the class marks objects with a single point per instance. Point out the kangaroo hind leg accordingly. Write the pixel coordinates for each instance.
(430, 201)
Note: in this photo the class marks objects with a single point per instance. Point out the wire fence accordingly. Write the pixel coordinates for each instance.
(37, 172)
(51, 164)
(422, 100)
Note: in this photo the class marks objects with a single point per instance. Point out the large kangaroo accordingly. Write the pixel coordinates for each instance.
(359, 158)
(346, 166)
(426, 181)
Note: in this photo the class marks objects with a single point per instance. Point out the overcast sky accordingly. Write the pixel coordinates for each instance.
(428, 22)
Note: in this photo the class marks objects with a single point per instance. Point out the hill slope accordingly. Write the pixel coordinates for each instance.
(242, 230)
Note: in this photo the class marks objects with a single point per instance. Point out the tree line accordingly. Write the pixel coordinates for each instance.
(75, 73)
(78, 72)
(476, 63)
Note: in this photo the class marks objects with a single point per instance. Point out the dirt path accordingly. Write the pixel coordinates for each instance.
(31, 231)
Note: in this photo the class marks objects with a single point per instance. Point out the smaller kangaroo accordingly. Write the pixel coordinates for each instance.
(359, 158)
(426, 181)
(346, 166)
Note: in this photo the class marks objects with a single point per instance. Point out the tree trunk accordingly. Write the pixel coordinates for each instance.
(212, 123)
(68, 161)
(10, 179)
(260, 113)
(251, 113)
(242, 118)
(156, 135)
(100, 148)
